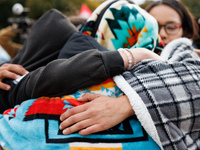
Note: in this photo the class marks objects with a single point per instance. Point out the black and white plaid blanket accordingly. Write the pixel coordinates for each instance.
(166, 96)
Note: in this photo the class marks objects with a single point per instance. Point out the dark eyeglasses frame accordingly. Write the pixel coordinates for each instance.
(165, 27)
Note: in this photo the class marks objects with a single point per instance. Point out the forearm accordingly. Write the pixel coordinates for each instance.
(65, 76)
(139, 55)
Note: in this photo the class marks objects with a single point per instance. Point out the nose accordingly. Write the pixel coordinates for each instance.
(162, 32)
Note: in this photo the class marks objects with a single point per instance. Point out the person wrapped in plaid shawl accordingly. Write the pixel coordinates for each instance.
(170, 91)
(166, 95)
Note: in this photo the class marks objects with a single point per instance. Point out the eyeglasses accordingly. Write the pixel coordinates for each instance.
(171, 28)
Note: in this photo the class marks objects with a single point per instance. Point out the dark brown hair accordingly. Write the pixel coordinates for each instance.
(190, 27)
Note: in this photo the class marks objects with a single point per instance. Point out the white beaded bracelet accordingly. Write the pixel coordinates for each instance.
(126, 52)
(134, 60)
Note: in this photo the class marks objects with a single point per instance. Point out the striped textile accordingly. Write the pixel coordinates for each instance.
(171, 92)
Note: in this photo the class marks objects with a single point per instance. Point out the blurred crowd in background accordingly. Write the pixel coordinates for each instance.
(19, 15)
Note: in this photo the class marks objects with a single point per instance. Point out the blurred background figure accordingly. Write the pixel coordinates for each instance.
(13, 36)
(10, 47)
(21, 23)
(174, 20)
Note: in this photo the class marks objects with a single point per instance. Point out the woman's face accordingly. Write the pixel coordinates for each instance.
(169, 23)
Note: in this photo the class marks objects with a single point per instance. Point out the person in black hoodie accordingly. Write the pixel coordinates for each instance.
(39, 56)
(60, 62)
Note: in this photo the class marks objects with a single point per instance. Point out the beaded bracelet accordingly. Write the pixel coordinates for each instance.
(134, 60)
(126, 52)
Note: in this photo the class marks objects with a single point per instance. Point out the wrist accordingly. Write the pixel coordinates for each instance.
(127, 108)
(129, 58)
(125, 59)
(137, 55)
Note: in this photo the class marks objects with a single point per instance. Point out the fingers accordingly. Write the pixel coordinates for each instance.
(73, 120)
(8, 74)
(91, 129)
(4, 86)
(78, 126)
(85, 127)
(80, 117)
(17, 69)
(73, 111)
(100, 114)
(88, 97)
(10, 71)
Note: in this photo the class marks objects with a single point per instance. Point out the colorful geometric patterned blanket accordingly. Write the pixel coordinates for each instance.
(35, 123)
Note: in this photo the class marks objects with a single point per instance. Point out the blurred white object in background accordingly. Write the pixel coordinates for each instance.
(17, 9)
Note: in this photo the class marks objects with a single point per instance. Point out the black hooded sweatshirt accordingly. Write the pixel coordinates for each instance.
(60, 60)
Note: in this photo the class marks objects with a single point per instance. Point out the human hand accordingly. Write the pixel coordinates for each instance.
(137, 55)
(101, 113)
(197, 51)
(11, 71)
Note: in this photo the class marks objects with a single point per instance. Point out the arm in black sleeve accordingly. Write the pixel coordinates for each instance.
(65, 76)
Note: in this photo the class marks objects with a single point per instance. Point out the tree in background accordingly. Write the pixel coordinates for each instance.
(144, 5)
(39, 7)
(193, 6)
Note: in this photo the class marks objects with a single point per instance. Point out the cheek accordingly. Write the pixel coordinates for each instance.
(175, 36)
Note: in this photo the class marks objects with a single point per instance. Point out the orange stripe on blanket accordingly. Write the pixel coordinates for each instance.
(109, 83)
(94, 148)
